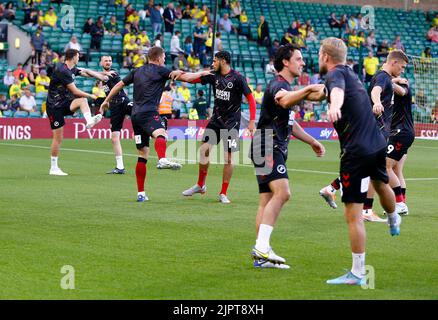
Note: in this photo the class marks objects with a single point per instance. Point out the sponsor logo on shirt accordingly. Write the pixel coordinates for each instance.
(222, 95)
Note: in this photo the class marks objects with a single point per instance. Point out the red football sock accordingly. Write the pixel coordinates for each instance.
(160, 147)
(202, 176)
(140, 173)
(224, 187)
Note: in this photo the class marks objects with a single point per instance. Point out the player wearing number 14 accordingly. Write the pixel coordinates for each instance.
(229, 86)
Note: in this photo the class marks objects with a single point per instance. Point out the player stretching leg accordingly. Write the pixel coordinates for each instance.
(149, 82)
(269, 149)
(64, 99)
(120, 106)
(229, 86)
(363, 151)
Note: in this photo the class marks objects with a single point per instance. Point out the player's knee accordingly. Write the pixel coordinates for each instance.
(284, 195)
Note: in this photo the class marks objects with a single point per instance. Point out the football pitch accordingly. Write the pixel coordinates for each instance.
(196, 248)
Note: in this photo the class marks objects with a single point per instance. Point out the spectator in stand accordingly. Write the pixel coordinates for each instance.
(236, 9)
(37, 41)
(244, 27)
(270, 69)
(226, 24)
(218, 43)
(3, 103)
(293, 30)
(50, 18)
(300, 42)
(263, 33)
(27, 102)
(13, 104)
(370, 42)
(169, 17)
(194, 62)
(128, 11)
(156, 19)
(131, 46)
(24, 81)
(274, 48)
(139, 59)
(370, 65)
(127, 60)
(196, 12)
(178, 12)
(9, 78)
(185, 92)
(200, 36)
(393, 47)
(209, 41)
(158, 42)
(187, 13)
(99, 92)
(353, 39)
(315, 78)
(432, 34)
(134, 20)
(398, 44)
(360, 22)
(73, 44)
(304, 79)
(9, 12)
(201, 106)
(258, 94)
(361, 39)
(382, 49)
(40, 18)
(180, 63)
(42, 82)
(175, 47)
(177, 102)
(97, 32)
(352, 23)
(88, 25)
(31, 18)
(144, 39)
(112, 27)
(33, 74)
(286, 39)
(188, 46)
(427, 53)
(333, 21)
(19, 71)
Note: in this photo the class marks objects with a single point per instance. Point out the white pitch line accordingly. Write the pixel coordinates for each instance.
(135, 155)
(421, 179)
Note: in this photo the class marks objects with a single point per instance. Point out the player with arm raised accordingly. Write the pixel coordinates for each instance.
(64, 99)
(149, 82)
(269, 150)
(363, 151)
(229, 86)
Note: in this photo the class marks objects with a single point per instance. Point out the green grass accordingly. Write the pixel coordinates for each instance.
(196, 248)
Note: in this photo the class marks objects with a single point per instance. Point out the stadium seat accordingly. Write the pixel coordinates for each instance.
(21, 114)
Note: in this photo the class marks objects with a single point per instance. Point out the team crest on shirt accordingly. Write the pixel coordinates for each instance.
(229, 85)
(281, 169)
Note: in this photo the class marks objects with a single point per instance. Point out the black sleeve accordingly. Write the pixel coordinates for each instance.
(335, 79)
(382, 81)
(129, 79)
(164, 73)
(116, 78)
(208, 79)
(245, 88)
(76, 71)
(66, 77)
(277, 86)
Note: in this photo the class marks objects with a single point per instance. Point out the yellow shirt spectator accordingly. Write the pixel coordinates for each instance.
(50, 19)
(133, 18)
(360, 41)
(370, 65)
(243, 18)
(196, 13)
(98, 92)
(24, 83)
(130, 47)
(138, 60)
(41, 20)
(194, 62)
(15, 89)
(143, 38)
(303, 31)
(258, 96)
(185, 92)
(41, 82)
(353, 41)
(209, 41)
(127, 38)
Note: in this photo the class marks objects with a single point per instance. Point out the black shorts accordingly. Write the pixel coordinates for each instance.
(214, 133)
(118, 113)
(56, 115)
(355, 173)
(272, 168)
(144, 124)
(398, 146)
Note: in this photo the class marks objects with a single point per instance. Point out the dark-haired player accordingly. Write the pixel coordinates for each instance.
(120, 107)
(269, 149)
(363, 152)
(149, 82)
(229, 86)
(64, 99)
